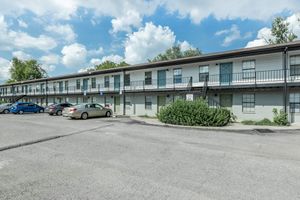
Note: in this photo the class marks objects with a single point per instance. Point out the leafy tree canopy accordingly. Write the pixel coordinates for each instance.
(109, 64)
(281, 32)
(25, 70)
(174, 53)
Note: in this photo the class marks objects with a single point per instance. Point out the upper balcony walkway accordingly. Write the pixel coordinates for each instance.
(267, 78)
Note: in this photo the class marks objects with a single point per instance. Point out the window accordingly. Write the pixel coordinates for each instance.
(148, 78)
(106, 81)
(99, 106)
(295, 103)
(248, 103)
(66, 85)
(127, 80)
(248, 69)
(78, 84)
(203, 73)
(148, 102)
(93, 82)
(178, 75)
(295, 65)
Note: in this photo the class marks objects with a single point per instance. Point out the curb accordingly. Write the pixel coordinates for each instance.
(220, 129)
(193, 128)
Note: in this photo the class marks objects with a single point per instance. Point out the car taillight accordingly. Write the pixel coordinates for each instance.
(73, 109)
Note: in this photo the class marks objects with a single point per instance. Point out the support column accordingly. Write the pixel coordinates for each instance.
(285, 88)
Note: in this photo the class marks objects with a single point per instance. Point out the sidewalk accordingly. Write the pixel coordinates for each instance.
(230, 127)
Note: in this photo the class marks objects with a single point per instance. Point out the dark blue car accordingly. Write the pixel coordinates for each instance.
(20, 108)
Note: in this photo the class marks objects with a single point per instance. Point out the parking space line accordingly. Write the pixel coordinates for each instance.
(50, 138)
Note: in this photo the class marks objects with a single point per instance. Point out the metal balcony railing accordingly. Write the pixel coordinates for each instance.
(179, 83)
(160, 84)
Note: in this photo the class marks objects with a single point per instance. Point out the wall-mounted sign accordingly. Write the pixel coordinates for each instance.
(190, 97)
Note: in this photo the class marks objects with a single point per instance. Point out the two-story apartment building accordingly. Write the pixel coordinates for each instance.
(250, 82)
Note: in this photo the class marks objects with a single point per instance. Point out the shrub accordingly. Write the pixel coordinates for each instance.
(280, 118)
(248, 122)
(194, 113)
(265, 122)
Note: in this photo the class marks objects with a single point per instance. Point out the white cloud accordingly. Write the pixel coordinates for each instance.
(22, 24)
(74, 55)
(4, 69)
(197, 10)
(50, 59)
(63, 31)
(95, 61)
(263, 36)
(114, 58)
(232, 35)
(126, 22)
(66, 10)
(265, 33)
(147, 42)
(21, 55)
(96, 52)
(10, 39)
(185, 46)
(48, 68)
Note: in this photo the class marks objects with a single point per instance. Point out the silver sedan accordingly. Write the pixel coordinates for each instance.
(84, 111)
(5, 108)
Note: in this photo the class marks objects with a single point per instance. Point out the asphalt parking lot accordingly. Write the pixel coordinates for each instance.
(117, 158)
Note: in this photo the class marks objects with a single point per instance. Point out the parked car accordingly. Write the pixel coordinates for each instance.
(5, 108)
(48, 107)
(20, 108)
(56, 109)
(84, 111)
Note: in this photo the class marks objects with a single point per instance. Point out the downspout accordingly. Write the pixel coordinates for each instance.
(285, 90)
(46, 93)
(124, 98)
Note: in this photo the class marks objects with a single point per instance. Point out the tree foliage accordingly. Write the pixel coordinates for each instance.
(25, 70)
(109, 64)
(281, 32)
(174, 53)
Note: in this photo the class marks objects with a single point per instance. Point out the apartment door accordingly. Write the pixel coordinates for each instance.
(226, 101)
(161, 101)
(117, 82)
(161, 78)
(85, 84)
(117, 104)
(225, 73)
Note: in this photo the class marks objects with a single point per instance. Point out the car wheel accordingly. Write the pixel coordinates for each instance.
(21, 112)
(6, 111)
(59, 112)
(41, 111)
(108, 114)
(84, 116)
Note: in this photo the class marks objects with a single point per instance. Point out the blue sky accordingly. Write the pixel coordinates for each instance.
(72, 35)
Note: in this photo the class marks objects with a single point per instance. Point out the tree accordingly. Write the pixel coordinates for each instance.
(109, 64)
(174, 53)
(25, 70)
(280, 32)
